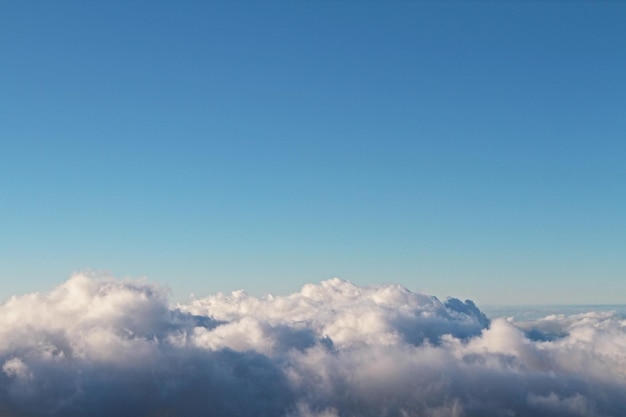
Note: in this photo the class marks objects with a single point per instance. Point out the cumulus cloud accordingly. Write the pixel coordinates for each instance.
(99, 346)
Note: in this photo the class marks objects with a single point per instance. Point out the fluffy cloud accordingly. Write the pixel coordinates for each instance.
(99, 346)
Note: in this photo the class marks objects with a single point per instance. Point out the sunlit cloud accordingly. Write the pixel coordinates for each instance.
(100, 346)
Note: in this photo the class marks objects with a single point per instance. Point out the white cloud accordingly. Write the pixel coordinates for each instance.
(98, 346)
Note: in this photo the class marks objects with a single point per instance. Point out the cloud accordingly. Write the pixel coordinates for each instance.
(99, 346)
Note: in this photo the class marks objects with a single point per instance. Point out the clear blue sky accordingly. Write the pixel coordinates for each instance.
(471, 149)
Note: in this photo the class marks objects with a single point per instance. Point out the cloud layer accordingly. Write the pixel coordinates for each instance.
(98, 346)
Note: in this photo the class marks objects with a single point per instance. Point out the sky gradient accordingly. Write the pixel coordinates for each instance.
(472, 150)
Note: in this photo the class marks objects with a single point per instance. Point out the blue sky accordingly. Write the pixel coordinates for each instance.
(467, 149)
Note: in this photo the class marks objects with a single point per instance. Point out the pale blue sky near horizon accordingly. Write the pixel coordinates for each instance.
(474, 150)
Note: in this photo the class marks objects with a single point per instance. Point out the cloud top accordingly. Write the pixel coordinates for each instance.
(100, 346)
